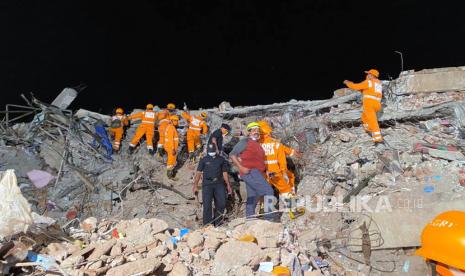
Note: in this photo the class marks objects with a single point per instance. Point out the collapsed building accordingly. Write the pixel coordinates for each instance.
(68, 208)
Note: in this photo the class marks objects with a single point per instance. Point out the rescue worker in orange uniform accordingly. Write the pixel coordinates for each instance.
(163, 118)
(146, 127)
(197, 126)
(275, 160)
(443, 244)
(171, 144)
(372, 92)
(119, 122)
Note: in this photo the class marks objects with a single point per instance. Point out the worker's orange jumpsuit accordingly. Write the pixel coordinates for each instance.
(146, 127)
(163, 121)
(118, 122)
(276, 164)
(372, 94)
(197, 126)
(171, 145)
(289, 152)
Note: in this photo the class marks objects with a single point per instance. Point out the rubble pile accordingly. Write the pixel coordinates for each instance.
(365, 204)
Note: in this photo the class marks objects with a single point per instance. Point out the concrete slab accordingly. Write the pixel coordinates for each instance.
(402, 227)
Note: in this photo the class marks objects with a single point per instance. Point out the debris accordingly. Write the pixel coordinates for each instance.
(225, 261)
(15, 212)
(266, 267)
(138, 222)
(40, 178)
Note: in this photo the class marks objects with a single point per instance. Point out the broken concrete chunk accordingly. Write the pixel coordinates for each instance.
(194, 239)
(141, 231)
(159, 251)
(227, 259)
(102, 249)
(179, 269)
(141, 267)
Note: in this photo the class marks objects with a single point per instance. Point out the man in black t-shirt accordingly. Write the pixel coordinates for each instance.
(216, 138)
(214, 170)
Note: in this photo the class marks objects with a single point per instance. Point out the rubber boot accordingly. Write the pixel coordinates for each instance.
(170, 173)
(131, 149)
(160, 152)
(151, 152)
(191, 157)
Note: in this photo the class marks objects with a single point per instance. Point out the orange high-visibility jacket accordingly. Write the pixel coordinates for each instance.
(275, 157)
(147, 117)
(371, 89)
(288, 150)
(163, 116)
(196, 123)
(171, 137)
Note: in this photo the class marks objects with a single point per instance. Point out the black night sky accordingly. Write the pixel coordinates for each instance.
(203, 52)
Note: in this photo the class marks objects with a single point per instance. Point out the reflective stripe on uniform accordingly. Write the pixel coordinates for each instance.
(163, 120)
(372, 97)
(195, 128)
(147, 122)
(271, 161)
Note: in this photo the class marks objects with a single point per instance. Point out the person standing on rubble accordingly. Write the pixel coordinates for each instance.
(119, 122)
(171, 144)
(216, 138)
(372, 92)
(197, 127)
(215, 178)
(163, 119)
(249, 157)
(276, 164)
(146, 127)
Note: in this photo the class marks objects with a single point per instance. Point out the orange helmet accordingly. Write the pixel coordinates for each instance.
(373, 72)
(171, 106)
(119, 110)
(443, 239)
(265, 128)
(203, 114)
(149, 106)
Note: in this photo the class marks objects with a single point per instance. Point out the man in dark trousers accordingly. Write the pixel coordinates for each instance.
(249, 157)
(216, 138)
(214, 169)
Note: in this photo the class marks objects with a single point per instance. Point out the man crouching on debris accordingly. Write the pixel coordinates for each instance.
(372, 94)
(215, 176)
(249, 157)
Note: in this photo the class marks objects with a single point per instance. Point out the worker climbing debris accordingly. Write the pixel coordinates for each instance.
(171, 145)
(249, 157)
(163, 118)
(145, 128)
(372, 91)
(197, 127)
(119, 122)
(278, 173)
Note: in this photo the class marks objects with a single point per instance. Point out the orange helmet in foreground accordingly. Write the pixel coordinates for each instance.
(443, 239)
